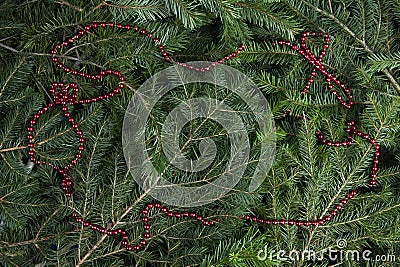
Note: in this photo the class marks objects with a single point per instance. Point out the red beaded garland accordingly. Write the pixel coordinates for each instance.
(66, 94)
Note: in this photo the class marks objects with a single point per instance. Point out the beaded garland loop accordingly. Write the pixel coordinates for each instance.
(63, 98)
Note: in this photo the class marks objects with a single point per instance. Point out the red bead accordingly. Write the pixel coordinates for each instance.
(372, 141)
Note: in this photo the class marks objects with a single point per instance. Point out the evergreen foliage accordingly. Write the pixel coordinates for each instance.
(306, 178)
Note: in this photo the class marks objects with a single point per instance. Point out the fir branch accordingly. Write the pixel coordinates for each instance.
(66, 3)
(48, 55)
(382, 62)
(105, 3)
(85, 257)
